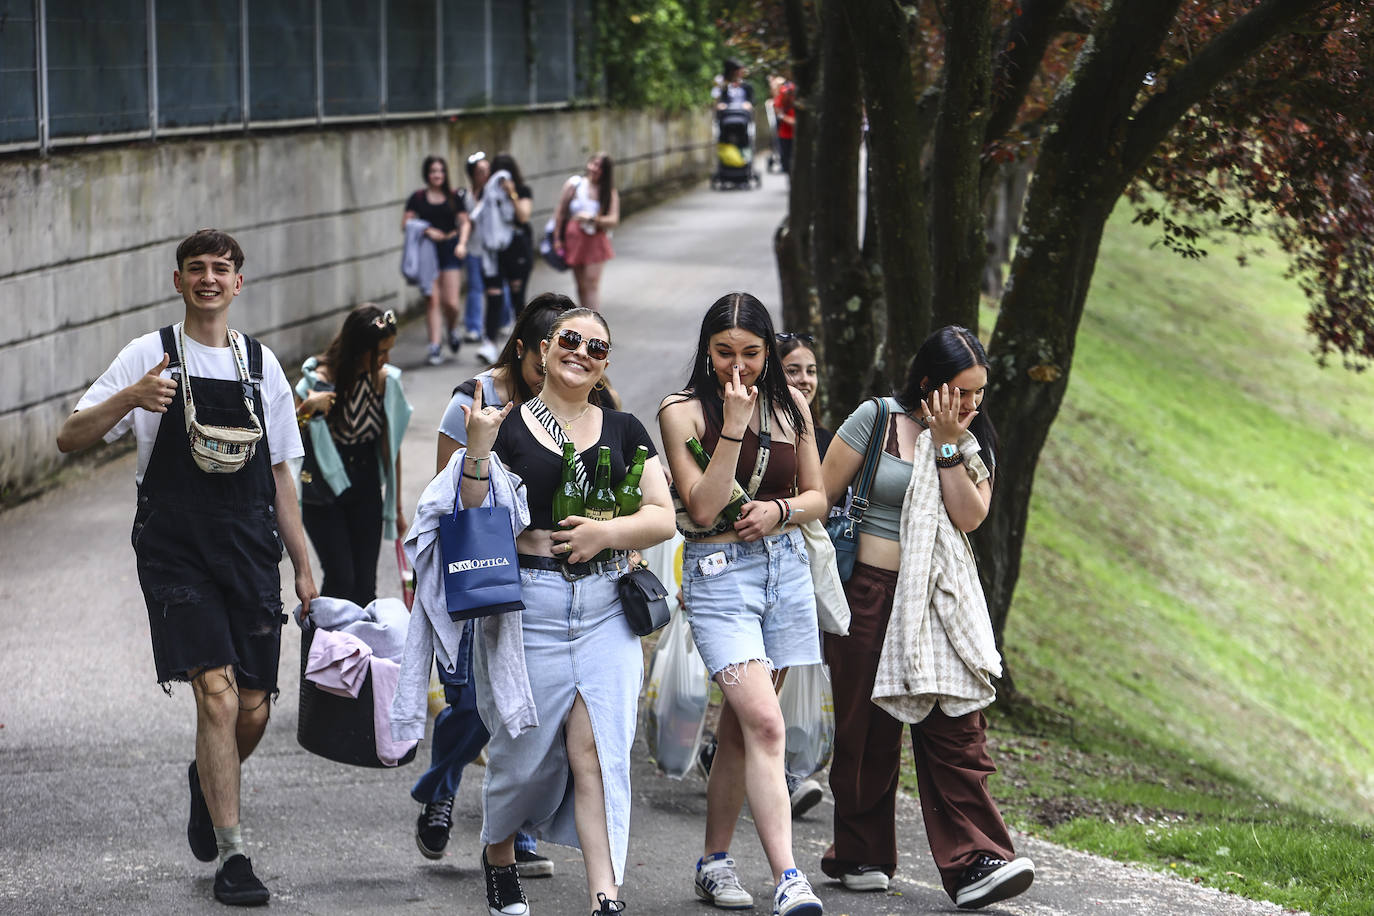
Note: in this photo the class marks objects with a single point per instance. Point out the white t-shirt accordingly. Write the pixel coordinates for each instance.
(143, 353)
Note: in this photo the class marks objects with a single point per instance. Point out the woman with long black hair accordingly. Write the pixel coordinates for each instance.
(354, 413)
(916, 653)
(745, 578)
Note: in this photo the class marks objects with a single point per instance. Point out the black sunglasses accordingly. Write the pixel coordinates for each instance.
(597, 348)
(785, 336)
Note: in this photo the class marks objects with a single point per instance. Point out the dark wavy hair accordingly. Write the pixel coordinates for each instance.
(448, 178)
(507, 162)
(943, 355)
(349, 353)
(605, 184)
(746, 312)
(534, 324)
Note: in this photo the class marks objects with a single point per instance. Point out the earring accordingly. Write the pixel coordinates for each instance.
(600, 384)
(708, 364)
(543, 367)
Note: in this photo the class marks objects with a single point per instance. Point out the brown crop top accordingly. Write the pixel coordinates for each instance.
(779, 478)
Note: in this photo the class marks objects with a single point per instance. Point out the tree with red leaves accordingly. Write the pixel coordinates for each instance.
(1207, 115)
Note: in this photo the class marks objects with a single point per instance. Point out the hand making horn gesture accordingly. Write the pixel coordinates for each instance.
(483, 423)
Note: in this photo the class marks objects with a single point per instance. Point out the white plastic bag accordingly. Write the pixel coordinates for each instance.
(675, 699)
(808, 711)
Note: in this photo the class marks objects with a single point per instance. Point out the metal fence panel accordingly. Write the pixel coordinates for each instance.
(410, 57)
(553, 50)
(18, 71)
(199, 58)
(465, 53)
(509, 61)
(97, 67)
(352, 56)
(72, 71)
(281, 59)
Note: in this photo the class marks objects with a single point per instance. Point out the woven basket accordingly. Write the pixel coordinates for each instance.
(338, 728)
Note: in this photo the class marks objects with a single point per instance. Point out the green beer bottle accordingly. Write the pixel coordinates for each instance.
(628, 495)
(600, 502)
(568, 498)
(737, 495)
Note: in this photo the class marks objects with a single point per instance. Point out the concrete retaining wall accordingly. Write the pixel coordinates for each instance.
(87, 238)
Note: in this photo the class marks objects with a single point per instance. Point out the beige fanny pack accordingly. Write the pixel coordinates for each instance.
(219, 449)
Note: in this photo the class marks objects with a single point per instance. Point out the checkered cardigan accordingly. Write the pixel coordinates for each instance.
(939, 646)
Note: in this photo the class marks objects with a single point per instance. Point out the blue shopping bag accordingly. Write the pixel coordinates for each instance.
(481, 572)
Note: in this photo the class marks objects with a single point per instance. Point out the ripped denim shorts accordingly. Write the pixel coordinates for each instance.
(751, 602)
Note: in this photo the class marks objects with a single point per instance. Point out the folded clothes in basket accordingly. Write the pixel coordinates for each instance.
(347, 643)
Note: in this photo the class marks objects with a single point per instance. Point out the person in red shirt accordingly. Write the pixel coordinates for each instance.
(784, 108)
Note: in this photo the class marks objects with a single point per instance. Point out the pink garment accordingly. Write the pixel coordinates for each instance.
(339, 664)
(385, 676)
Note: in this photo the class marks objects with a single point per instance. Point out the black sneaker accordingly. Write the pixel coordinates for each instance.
(236, 885)
(432, 828)
(533, 865)
(454, 341)
(991, 879)
(803, 794)
(608, 906)
(200, 830)
(706, 755)
(505, 896)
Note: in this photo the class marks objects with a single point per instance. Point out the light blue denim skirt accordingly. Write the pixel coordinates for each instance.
(576, 642)
(751, 601)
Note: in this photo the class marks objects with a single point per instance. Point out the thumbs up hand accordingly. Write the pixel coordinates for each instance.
(153, 392)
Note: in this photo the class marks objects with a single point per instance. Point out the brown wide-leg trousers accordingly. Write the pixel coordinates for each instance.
(952, 763)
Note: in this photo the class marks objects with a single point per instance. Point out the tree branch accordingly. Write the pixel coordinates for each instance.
(1218, 58)
(1023, 45)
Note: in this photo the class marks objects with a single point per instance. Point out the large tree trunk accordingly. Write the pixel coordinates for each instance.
(792, 242)
(957, 241)
(1079, 176)
(847, 342)
(898, 128)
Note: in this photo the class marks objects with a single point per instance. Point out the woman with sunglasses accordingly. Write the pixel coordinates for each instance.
(353, 413)
(587, 212)
(745, 580)
(567, 781)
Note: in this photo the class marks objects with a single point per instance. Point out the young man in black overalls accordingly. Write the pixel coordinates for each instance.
(208, 541)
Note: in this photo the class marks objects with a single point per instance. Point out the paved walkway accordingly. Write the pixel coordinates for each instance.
(93, 756)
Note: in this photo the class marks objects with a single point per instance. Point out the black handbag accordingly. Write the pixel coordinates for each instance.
(644, 599)
(844, 529)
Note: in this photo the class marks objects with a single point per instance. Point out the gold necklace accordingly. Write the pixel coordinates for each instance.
(565, 423)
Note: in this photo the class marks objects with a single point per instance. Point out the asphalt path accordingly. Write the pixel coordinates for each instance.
(93, 756)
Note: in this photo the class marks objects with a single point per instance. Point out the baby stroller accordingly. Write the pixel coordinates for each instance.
(734, 150)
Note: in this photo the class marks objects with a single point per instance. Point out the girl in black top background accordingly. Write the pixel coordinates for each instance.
(437, 205)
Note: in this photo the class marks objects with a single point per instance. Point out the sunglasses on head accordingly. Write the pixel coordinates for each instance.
(476, 157)
(785, 336)
(597, 348)
(385, 320)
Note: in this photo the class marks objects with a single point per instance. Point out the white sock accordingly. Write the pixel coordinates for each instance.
(230, 842)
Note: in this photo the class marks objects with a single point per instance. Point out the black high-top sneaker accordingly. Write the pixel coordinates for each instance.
(505, 896)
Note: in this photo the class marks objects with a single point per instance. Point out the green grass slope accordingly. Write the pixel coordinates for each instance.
(1192, 625)
(1198, 566)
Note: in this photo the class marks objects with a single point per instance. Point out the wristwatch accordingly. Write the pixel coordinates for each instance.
(948, 456)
